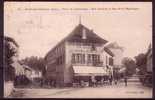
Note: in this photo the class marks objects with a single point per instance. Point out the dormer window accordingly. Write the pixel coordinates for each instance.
(84, 34)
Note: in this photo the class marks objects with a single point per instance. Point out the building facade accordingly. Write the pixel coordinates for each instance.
(118, 52)
(81, 53)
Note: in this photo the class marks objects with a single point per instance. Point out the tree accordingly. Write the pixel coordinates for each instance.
(130, 65)
(10, 50)
(34, 62)
(141, 62)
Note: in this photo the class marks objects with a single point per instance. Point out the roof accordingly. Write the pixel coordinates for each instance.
(91, 36)
(113, 45)
(27, 67)
(16, 65)
(76, 36)
(89, 70)
(108, 51)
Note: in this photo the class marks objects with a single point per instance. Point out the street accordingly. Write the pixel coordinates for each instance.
(133, 90)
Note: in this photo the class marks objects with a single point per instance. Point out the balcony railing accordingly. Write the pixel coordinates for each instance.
(90, 64)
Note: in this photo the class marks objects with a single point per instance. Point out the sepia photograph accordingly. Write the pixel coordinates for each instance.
(78, 50)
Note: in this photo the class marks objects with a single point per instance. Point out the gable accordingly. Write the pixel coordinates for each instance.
(83, 34)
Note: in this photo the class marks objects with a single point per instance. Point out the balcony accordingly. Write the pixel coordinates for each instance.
(97, 64)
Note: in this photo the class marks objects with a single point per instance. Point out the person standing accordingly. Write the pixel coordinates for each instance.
(125, 81)
(41, 82)
(93, 81)
(115, 82)
(110, 79)
(82, 83)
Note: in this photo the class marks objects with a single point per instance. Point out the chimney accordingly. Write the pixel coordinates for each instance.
(84, 33)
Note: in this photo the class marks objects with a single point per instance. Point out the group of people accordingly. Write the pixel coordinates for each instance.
(93, 82)
(21, 80)
(116, 80)
(51, 83)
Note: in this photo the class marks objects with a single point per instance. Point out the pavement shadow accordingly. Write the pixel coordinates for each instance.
(67, 91)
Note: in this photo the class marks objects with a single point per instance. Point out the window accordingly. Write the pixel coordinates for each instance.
(83, 58)
(106, 60)
(94, 59)
(60, 60)
(93, 48)
(111, 61)
(89, 58)
(78, 58)
(73, 58)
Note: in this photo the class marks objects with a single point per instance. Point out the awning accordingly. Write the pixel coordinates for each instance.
(89, 71)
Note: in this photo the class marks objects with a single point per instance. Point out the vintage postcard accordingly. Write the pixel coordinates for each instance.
(78, 50)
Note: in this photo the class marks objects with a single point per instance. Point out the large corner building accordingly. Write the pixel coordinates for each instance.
(78, 56)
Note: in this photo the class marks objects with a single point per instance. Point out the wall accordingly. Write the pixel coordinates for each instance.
(54, 69)
(36, 74)
(118, 56)
(8, 88)
(104, 54)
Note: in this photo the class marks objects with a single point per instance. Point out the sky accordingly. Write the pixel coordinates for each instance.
(37, 27)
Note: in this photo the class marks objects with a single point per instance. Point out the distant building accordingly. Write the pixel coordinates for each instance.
(149, 59)
(108, 60)
(19, 70)
(80, 54)
(31, 73)
(27, 71)
(36, 74)
(118, 52)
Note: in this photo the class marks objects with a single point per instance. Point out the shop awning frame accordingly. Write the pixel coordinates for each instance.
(89, 71)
